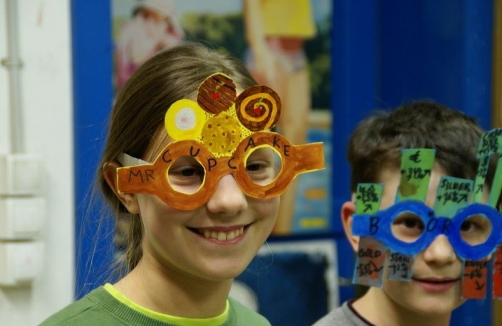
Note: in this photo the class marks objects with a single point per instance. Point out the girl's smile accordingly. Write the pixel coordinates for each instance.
(227, 235)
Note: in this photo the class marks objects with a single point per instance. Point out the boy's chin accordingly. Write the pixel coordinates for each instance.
(415, 300)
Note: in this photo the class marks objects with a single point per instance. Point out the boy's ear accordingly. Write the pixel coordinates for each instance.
(128, 200)
(347, 211)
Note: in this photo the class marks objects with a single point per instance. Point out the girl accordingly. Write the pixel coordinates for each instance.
(181, 263)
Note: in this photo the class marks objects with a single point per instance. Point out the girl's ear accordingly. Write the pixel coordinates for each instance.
(347, 211)
(128, 200)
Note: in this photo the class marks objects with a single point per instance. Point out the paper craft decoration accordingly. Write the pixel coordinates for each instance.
(372, 254)
(392, 237)
(221, 133)
(489, 152)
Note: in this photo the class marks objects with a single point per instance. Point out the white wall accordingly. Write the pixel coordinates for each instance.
(45, 48)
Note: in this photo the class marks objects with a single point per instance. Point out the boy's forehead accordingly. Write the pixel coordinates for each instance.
(390, 179)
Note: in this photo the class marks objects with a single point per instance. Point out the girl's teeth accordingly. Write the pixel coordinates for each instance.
(231, 235)
(222, 236)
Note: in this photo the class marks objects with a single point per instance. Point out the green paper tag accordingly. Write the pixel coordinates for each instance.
(368, 198)
(452, 195)
(416, 168)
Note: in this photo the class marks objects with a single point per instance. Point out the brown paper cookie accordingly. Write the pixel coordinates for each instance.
(216, 94)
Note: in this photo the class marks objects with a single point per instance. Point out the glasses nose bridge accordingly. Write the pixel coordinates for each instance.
(437, 225)
(218, 168)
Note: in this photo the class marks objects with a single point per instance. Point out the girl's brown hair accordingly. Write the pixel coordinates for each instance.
(137, 117)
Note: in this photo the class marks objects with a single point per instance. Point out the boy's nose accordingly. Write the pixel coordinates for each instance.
(228, 198)
(440, 251)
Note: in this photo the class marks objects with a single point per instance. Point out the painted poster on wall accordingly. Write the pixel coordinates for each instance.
(284, 43)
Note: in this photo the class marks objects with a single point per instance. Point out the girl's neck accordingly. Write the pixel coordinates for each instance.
(379, 309)
(167, 291)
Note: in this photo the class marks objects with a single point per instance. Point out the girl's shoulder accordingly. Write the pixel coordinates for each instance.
(98, 308)
(241, 315)
(83, 311)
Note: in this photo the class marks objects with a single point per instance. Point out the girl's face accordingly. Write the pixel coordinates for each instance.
(215, 241)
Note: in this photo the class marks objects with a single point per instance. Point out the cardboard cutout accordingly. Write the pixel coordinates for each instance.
(392, 237)
(220, 134)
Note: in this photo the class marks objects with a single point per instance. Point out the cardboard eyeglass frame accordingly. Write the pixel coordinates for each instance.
(364, 225)
(152, 178)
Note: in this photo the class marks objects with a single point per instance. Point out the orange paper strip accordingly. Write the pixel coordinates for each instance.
(474, 279)
(370, 262)
(497, 273)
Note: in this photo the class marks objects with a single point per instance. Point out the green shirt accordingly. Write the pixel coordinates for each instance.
(100, 308)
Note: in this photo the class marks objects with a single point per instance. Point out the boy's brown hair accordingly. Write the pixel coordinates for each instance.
(377, 142)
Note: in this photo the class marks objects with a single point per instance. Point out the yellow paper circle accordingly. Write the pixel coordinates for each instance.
(222, 134)
(184, 120)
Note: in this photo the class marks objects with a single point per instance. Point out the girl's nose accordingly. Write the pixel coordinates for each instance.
(228, 198)
(440, 251)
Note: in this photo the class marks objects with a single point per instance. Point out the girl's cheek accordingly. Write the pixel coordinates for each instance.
(268, 207)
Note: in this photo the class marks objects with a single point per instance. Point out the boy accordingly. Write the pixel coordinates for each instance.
(375, 156)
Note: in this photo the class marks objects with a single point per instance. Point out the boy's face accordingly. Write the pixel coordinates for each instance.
(436, 283)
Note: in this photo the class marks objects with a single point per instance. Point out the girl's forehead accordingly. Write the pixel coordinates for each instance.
(157, 144)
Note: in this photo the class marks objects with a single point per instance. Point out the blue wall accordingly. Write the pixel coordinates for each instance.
(93, 92)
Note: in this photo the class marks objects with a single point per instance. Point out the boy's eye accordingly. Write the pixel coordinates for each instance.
(466, 226)
(407, 227)
(413, 223)
(476, 229)
(409, 221)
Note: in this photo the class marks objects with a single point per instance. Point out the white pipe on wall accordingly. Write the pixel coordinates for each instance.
(13, 63)
(44, 40)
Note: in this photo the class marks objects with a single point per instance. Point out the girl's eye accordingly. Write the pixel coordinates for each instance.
(189, 172)
(255, 166)
(186, 172)
(186, 175)
(260, 170)
(263, 165)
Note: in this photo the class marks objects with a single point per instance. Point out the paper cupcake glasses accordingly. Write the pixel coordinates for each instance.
(219, 134)
(392, 237)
